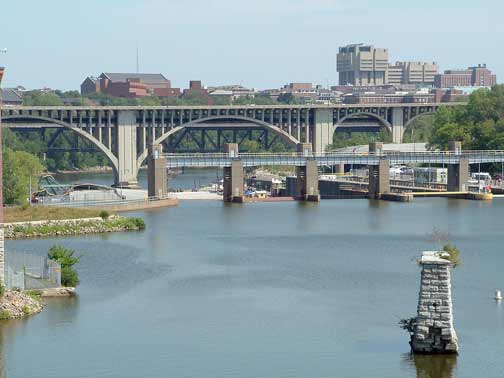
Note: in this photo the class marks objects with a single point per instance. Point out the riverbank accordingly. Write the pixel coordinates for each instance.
(47, 213)
(66, 227)
(16, 304)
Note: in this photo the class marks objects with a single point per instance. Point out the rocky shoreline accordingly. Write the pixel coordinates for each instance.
(16, 304)
(69, 227)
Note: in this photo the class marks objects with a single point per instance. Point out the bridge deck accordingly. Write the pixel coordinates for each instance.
(294, 159)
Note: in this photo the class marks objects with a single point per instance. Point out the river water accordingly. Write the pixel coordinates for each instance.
(276, 290)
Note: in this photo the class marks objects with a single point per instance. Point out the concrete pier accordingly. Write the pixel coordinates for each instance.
(458, 174)
(434, 332)
(379, 175)
(233, 176)
(307, 183)
(157, 178)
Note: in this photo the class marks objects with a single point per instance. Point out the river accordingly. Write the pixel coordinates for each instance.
(276, 290)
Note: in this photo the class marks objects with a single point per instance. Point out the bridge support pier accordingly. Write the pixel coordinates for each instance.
(233, 182)
(340, 168)
(379, 175)
(397, 125)
(307, 183)
(157, 178)
(126, 173)
(458, 174)
(323, 130)
(233, 176)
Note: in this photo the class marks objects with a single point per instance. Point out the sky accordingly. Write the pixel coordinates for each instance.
(256, 43)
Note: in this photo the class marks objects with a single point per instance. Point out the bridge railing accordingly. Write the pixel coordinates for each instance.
(219, 155)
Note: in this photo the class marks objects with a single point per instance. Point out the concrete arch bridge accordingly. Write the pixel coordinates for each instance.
(124, 133)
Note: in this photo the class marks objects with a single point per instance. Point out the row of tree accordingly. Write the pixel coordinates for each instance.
(59, 98)
(479, 125)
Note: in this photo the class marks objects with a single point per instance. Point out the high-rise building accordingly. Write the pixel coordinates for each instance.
(360, 64)
(363, 65)
(419, 72)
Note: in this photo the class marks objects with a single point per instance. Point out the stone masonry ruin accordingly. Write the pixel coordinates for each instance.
(434, 332)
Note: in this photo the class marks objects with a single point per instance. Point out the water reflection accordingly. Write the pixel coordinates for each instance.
(433, 366)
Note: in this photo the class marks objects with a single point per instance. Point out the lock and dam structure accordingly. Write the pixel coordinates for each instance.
(131, 135)
(124, 133)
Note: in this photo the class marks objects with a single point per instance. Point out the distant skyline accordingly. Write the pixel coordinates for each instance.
(256, 43)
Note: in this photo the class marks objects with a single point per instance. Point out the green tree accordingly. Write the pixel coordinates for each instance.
(479, 125)
(287, 98)
(39, 98)
(18, 168)
(66, 258)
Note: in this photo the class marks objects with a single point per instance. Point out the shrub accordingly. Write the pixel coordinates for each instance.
(454, 254)
(65, 256)
(69, 277)
(139, 223)
(408, 324)
(26, 310)
(34, 294)
(5, 315)
(2, 290)
(104, 214)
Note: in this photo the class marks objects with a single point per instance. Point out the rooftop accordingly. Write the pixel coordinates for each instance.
(143, 77)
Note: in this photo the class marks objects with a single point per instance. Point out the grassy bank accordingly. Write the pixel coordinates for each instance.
(78, 227)
(36, 213)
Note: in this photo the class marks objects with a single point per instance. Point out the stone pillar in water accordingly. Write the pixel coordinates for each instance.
(434, 332)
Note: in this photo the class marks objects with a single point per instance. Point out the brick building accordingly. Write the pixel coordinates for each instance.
(478, 76)
(196, 89)
(129, 85)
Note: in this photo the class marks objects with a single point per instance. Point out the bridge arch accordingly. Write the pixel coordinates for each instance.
(108, 153)
(376, 117)
(283, 134)
(419, 115)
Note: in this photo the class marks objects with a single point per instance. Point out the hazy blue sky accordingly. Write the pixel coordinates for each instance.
(258, 43)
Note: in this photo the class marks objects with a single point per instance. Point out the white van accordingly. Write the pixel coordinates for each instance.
(481, 176)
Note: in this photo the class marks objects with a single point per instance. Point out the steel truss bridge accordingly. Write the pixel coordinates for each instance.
(329, 159)
(124, 133)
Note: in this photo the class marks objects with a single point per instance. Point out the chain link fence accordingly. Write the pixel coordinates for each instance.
(26, 271)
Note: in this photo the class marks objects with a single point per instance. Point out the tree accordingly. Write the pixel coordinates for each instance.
(479, 125)
(442, 240)
(287, 98)
(39, 98)
(66, 258)
(18, 168)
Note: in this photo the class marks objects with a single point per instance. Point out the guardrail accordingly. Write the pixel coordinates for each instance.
(105, 203)
(331, 158)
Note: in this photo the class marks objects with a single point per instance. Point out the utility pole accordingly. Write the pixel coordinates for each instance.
(137, 60)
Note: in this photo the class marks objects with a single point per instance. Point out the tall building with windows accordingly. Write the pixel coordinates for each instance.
(365, 65)
(360, 64)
